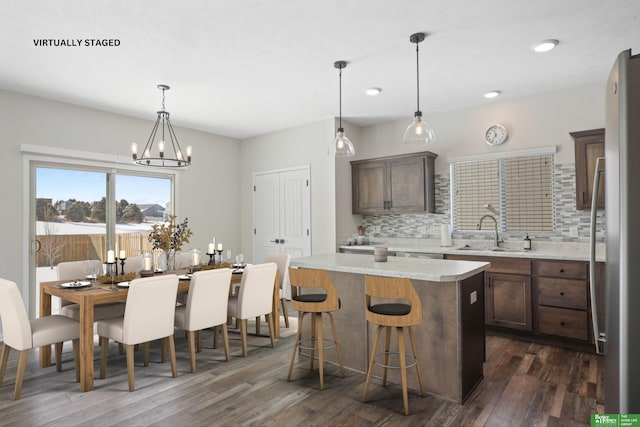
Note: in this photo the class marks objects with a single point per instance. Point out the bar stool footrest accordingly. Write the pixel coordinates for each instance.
(408, 358)
(327, 344)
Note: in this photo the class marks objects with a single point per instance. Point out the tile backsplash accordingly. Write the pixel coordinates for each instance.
(420, 226)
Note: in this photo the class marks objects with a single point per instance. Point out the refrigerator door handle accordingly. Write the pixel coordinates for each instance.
(598, 336)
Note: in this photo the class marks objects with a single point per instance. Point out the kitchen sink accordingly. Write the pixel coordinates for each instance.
(485, 249)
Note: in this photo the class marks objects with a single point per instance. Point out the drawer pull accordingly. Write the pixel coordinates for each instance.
(562, 270)
(561, 323)
(562, 294)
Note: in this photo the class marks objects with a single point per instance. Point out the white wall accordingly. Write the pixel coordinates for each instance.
(539, 120)
(207, 191)
(298, 146)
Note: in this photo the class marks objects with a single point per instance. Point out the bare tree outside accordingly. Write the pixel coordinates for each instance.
(51, 243)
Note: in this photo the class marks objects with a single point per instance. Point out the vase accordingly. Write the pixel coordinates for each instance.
(171, 261)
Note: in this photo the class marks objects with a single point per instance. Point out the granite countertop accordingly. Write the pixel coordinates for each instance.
(435, 270)
(569, 251)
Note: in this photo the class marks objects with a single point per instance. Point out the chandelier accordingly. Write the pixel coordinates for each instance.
(168, 154)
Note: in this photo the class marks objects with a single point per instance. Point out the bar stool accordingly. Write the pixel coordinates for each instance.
(315, 304)
(386, 315)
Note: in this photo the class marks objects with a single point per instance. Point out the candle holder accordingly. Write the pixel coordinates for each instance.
(112, 270)
(211, 258)
(219, 253)
(122, 260)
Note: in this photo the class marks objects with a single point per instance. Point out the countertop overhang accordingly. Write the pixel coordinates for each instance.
(435, 270)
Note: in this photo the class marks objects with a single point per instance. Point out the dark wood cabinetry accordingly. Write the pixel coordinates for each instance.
(398, 184)
(589, 145)
(545, 300)
(563, 308)
(507, 288)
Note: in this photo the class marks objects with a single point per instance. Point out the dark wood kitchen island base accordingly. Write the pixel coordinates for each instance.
(450, 341)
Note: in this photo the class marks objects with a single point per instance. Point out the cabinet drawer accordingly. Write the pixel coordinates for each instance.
(563, 322)
(499, 264)
(565, 269)
(565, 293)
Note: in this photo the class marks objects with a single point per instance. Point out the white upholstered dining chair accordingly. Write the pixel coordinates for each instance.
(23, 334)
(254, 299)
(282, 260)
(149, 315)
(206, 307)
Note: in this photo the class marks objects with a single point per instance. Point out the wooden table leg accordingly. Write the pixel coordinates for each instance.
(45, 310)
(86, 343)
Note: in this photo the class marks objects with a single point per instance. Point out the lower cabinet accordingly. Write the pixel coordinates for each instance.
(508, 300)
(547, 300)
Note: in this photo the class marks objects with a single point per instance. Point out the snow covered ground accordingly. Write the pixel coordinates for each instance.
(89, 227)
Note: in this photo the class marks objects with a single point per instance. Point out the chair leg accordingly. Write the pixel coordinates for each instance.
(320, 349)
(403, 369)
(104, 350)
(243, 333)
(258, 325)
(172, 355)
(22, 364)
(272, 329)
(3, 361)
(313, 340)
(387, 346)
(131, 367)
(283, 302)
(192, 350)
(76, 358)
(415, 355)
(335, 340)
(215, 336)
(58, 350)
(145, 354)
(225, 338)
(372, 361)
(199, 341)
(295, 344)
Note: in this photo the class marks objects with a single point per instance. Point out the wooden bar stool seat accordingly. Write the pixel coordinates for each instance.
(401, 315)
(315, 304)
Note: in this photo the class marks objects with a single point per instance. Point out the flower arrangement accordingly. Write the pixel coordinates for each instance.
(170, 236)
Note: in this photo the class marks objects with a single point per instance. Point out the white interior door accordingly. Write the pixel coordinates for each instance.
(282, 214)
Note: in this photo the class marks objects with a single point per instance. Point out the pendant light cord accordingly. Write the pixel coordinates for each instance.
(417, 77)
(340, 97)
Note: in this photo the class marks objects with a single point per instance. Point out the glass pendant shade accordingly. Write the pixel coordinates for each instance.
(344, 147)
(419, 131)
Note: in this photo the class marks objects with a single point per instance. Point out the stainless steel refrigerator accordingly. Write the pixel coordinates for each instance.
(620, 336)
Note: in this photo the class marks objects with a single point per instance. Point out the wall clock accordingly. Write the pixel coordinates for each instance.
(495, 135)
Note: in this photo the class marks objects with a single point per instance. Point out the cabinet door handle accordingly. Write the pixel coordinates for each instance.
(584, 197)
(561, 294)
(561, 323)
(562, 270)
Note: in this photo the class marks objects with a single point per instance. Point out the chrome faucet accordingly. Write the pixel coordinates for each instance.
(496, 239)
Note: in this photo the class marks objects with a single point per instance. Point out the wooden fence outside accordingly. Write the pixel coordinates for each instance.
(74, 247)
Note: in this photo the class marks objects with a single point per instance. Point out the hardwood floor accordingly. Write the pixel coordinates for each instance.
(525, 385)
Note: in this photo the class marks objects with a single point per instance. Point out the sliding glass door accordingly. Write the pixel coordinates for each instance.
(82, 212)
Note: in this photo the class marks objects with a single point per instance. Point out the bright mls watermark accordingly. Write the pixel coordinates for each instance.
(615, 420)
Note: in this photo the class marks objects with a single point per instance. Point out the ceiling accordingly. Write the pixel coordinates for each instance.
(246, 68)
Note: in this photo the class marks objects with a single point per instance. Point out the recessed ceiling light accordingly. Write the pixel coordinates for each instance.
(492, 94)
(545, 45)
(373, 91)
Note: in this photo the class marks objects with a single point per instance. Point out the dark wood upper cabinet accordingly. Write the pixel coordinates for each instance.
(589, 145)
(396, 184)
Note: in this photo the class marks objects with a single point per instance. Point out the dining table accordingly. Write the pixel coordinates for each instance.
(103, 293)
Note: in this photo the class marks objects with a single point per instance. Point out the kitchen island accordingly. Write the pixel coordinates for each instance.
(450, 341)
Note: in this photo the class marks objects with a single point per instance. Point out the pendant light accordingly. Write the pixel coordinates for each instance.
(169, 155)
(344, 147)
(418, 132)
